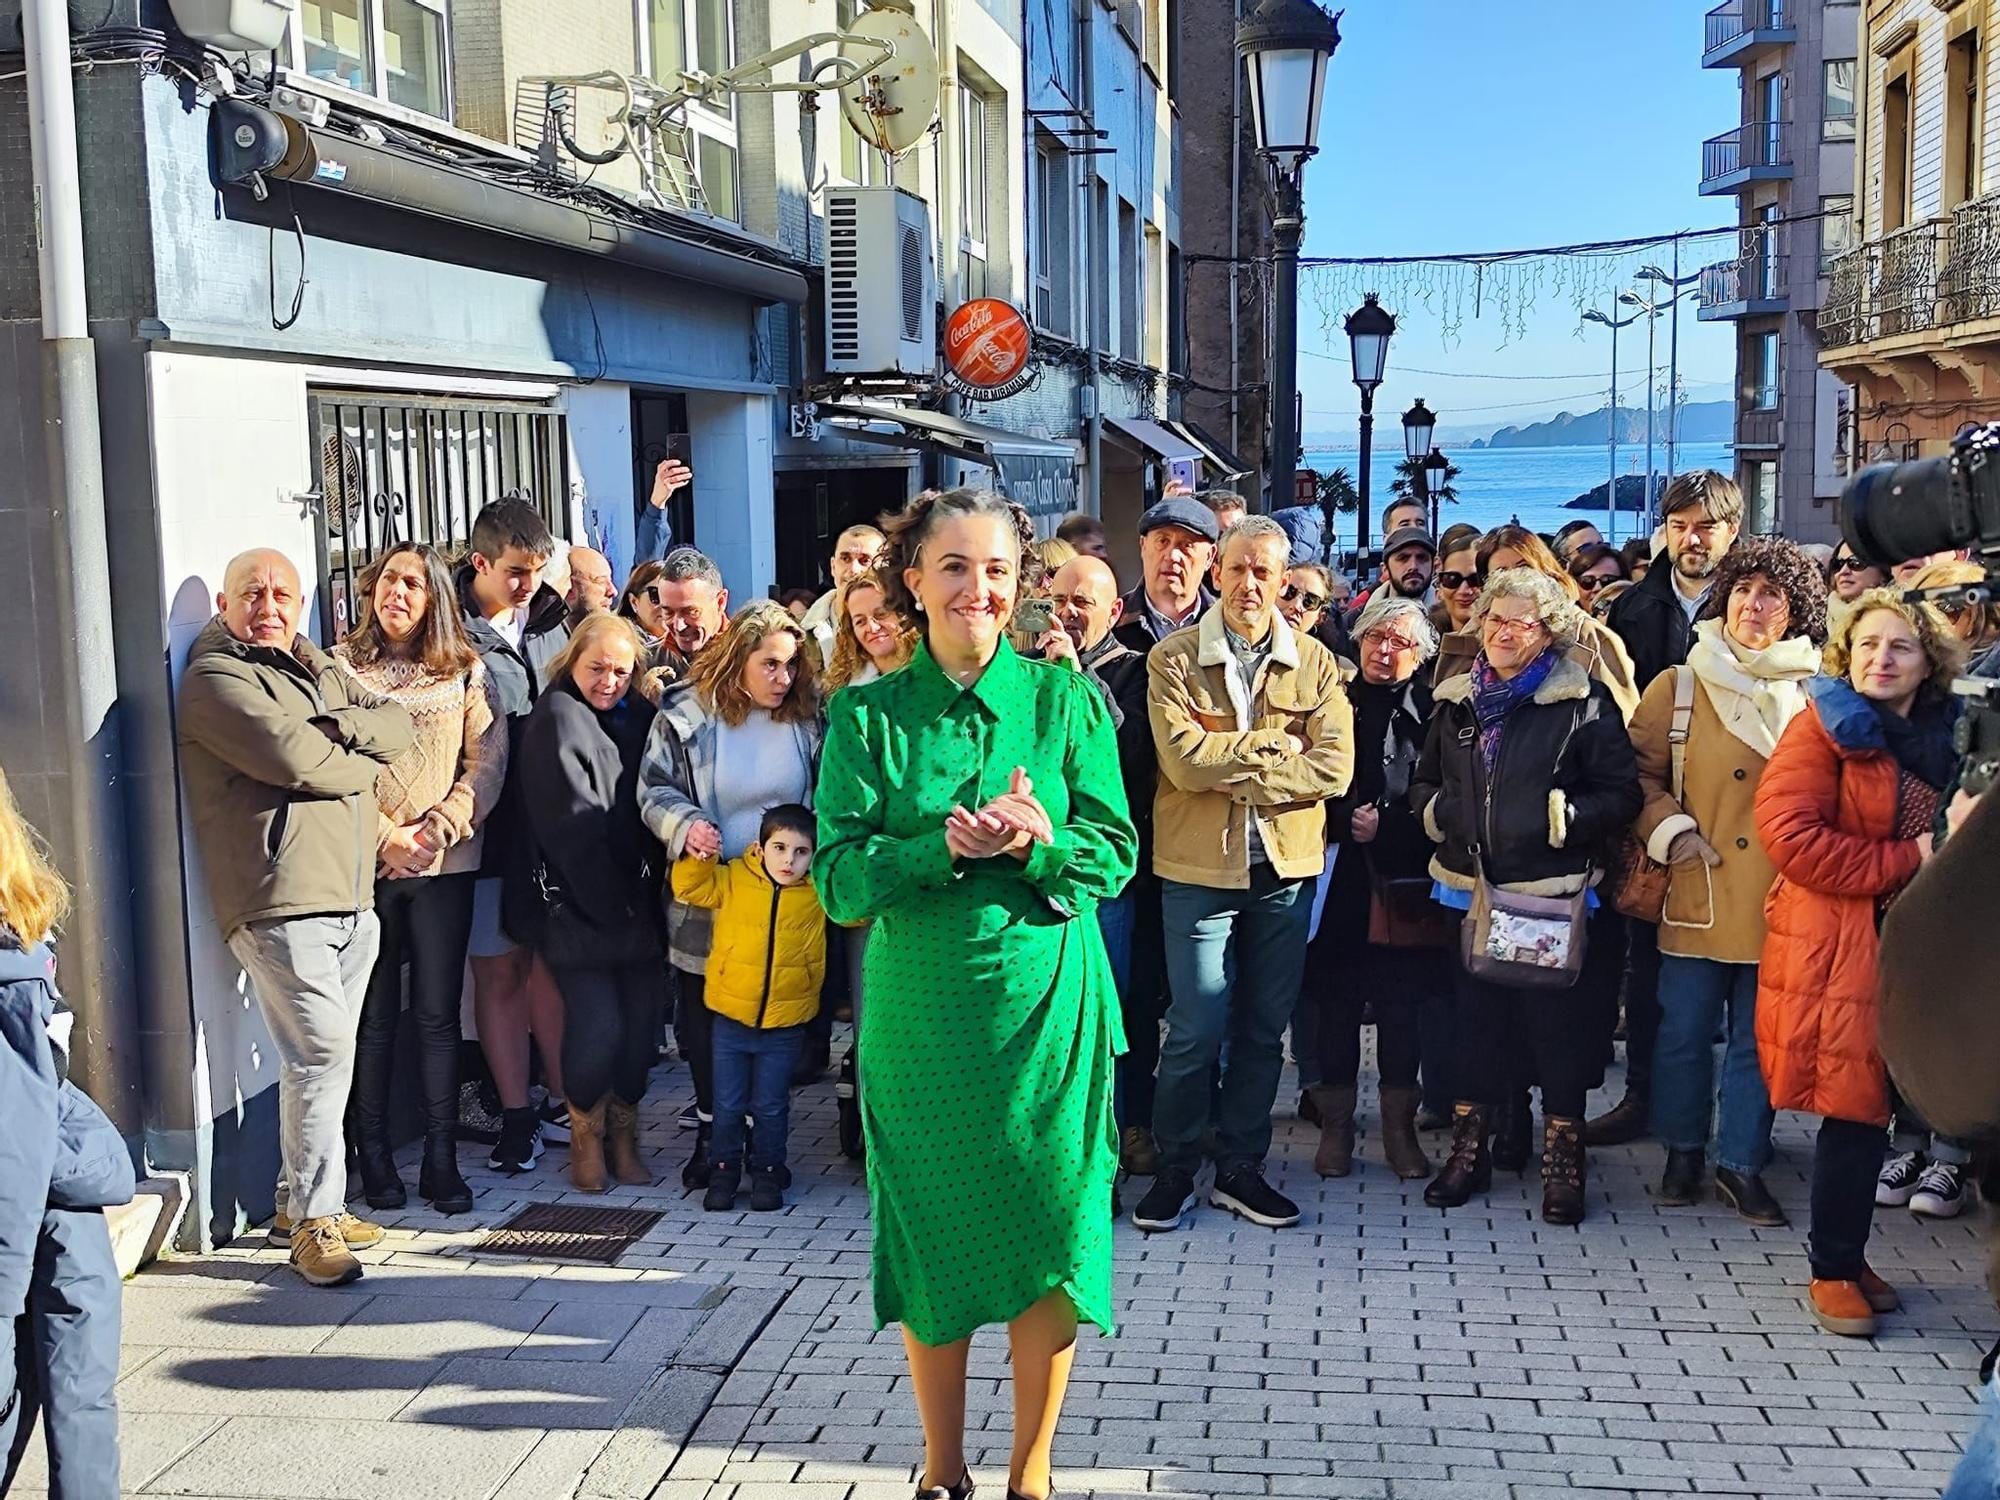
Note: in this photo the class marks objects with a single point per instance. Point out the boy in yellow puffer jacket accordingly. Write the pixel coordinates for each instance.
(765, 964)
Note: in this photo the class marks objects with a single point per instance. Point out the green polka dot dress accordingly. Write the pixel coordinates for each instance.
(991, 1021)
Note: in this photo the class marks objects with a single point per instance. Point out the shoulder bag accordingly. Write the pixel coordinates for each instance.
(1639, 883)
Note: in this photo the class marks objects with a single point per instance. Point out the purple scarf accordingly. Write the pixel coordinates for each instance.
(1493, 699)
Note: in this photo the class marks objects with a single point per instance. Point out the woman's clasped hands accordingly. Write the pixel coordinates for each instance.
(1010, 824)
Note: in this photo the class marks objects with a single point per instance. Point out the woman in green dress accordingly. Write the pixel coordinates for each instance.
(970, 804)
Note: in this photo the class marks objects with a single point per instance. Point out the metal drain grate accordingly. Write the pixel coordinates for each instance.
(551, 1231)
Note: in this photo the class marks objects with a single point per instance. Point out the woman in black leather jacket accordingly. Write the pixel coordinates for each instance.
(1528, 759)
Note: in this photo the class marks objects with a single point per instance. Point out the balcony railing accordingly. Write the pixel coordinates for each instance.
(1750, 284)
(1725, 27)
(1936, 274)
(1969, 287)
(1754, 151)
(1903, 294)
(1843, 307)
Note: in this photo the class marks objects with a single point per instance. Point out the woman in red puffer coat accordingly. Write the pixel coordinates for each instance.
(1844, 810)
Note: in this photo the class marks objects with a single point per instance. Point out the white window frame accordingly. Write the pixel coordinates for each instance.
(1050, 163)
(291, 54)
(702, 120)
(973, 207)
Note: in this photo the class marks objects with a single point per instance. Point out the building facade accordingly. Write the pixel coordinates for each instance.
(1788, 165)
(1912, 314)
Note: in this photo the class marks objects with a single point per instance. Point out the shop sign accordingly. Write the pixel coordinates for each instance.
(986, 344)
(1043, 485)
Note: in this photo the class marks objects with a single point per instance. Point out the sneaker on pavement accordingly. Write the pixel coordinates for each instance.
(554, 1117)
(321, 1255)
(767, 1190)
(520, 1143)
(1897, 1183)
(1940, 1191)
(358, 1233)
(723, 1181)
(1245, 1193)
(691, 1118)
(1169, 1200)
(1842, 1308)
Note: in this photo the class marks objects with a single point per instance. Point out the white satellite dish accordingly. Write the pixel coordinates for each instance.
(893, 105)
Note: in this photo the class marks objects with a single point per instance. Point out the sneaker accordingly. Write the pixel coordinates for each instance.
(1245, 1193)
(723, 1180)
(520, 1143)
(691, 1118)
(358, 1233)
(478, 1113)
(1842, 1308)
(1167, 1202)
(1136, 1152)
(1940, 1191)
(767, 1190)
(554, 1118)
(321, 1255)
(1897, 1183)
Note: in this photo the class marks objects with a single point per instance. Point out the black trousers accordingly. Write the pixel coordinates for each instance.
(692, 1035)
(1642, 1004)
(1846, 1159)
(1144, 1001)
(1508, 1037)
(1342, 978)
(611, 1019)
(426, 921)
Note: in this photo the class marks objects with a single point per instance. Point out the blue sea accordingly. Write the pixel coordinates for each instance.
(1531, 485)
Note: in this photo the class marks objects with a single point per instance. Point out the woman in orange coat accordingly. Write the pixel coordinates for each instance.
(1844, 810)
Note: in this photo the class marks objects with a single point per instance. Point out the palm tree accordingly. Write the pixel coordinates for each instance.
(1337, 496)
(1406, 483)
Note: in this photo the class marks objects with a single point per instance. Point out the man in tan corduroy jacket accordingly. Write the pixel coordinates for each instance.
(1254, 733)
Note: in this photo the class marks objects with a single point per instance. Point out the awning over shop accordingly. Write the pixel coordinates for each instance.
(1224, 465)
(1040, 473)
(1147, 437)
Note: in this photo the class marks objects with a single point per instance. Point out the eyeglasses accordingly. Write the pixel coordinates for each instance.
(1291, 593)
(1451, 581)
(1848, 565)
(1388, 645)
(1590, 583)
(1501, 625)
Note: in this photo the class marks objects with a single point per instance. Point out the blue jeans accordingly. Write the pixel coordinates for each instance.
(1695, 996)
(1234, 961)
(1978, 1474)
(753, 1075)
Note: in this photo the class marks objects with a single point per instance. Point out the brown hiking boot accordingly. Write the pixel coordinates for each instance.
(1136, 1152)
(1335, 1105)
(621, 1143)
(320, 1254)
(1469, 1169)
(586, 1148)
(1842, 1307)
(1400, 1147)
(1562, 1171)
(1624, 1122)
(358, 1233)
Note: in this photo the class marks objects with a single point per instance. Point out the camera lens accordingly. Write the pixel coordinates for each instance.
(1890, 513)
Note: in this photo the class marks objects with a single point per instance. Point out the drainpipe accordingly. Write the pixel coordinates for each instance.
(1235, 242)
(1098, 271)
(87, 835)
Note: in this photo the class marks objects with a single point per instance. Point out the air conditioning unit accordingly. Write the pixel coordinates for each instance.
(881, 283)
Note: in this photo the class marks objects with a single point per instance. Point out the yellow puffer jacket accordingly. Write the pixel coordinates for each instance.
(768, 955)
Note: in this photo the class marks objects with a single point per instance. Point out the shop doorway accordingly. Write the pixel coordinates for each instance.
(659, 431)
(815, 506)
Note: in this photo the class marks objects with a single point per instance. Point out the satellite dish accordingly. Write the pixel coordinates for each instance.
(892, 107)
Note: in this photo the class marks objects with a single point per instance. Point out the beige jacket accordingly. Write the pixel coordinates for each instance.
(1226, 758)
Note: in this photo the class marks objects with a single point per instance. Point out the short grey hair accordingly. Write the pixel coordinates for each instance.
(1385, 609)
(1249, 529)
(1553, 606)
(686, 565)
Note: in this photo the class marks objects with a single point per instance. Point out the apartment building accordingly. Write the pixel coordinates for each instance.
(1911, 318)
(1788, 165)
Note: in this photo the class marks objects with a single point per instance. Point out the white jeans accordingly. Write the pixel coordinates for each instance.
(310, 974)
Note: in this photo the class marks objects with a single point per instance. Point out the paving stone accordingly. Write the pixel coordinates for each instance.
(345, 1460)
(526, 1393)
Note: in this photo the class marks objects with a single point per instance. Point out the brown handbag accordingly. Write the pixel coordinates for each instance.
(1639, 882)
(1401, 913)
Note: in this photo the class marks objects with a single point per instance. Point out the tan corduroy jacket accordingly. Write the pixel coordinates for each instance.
(1226, 758)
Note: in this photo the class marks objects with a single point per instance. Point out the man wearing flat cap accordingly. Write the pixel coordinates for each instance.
(1177, 540)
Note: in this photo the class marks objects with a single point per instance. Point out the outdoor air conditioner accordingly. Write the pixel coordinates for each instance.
(881, 284)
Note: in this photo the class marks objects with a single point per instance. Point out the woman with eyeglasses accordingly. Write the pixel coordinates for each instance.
(1458, 580)
(1848, 577)
(1593, 565)
(1307, 602)
(1977, 625)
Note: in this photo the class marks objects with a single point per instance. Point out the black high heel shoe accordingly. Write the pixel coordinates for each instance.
(960, 1491)
(1014, 1494)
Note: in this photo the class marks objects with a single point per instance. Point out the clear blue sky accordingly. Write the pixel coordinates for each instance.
(1471, 125)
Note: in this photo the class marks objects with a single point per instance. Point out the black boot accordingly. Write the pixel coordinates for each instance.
(1469, 1169)
(1511, 1134)
(1562, 1171)
(380, 1183)
(1680, 1184)
(439, 1183)
(697, 1171)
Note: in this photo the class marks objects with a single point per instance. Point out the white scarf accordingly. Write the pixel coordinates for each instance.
(1754, 693)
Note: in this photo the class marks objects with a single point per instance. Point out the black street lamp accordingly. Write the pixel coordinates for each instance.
(1419, 422)
(1368, 332)
(1436, 469)
(1285, 46)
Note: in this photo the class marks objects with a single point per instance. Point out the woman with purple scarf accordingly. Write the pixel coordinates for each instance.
(1527, 760)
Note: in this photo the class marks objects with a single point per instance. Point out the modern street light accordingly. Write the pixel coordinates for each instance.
(1285, 46)
(1651, 311)
(1677, 281)
(1419, 424)
(1368, 332)
(1611, 421)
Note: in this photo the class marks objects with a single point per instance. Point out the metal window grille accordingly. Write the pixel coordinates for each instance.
(418, 469)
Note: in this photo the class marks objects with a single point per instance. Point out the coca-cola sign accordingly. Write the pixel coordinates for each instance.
(986, 347)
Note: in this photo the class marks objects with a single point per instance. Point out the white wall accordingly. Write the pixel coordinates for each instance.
(734, 513)
(600, 447)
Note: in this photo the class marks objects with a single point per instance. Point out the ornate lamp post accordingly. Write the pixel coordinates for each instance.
(1285, 46)
(1368, 331)
(1419, 424)
(1437, 470)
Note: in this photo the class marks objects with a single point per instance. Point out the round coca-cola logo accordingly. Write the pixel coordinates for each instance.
(986, 346)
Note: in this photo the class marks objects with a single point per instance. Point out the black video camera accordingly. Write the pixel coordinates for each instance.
(1890, 513)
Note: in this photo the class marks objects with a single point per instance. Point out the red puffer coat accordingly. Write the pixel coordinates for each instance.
(1827, 814)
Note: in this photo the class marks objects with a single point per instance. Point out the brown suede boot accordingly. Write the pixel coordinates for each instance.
(621, 1143)
(1400, 1147)
(1335, 1156)
(1562, 1171)
(586, 1148)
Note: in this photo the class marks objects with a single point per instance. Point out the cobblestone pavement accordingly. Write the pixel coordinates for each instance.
(1380, 1349)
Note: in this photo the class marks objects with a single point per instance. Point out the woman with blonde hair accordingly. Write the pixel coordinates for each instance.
(739, 737)
(871, 636)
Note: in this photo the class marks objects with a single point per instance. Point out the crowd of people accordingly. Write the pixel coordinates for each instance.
(1077, 861)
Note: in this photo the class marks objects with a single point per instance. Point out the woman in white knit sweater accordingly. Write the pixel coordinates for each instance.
(408, 645)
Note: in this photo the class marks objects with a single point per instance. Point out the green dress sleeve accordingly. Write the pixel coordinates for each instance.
(1096, 848)
(861, 871)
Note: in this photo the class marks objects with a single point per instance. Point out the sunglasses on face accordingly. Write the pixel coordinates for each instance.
(1848, 565)
(1291, 593)
(1590, 583)
(1451, 581)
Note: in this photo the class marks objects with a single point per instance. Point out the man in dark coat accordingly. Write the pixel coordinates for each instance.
(1703, 513)
(1177, 540)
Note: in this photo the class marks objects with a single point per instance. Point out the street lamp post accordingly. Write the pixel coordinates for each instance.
(1368, 331)
(1439, 465)
(1678, 282)
(1650, 310)
(1419, 425)
(1285, 46)
(1611, 422)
